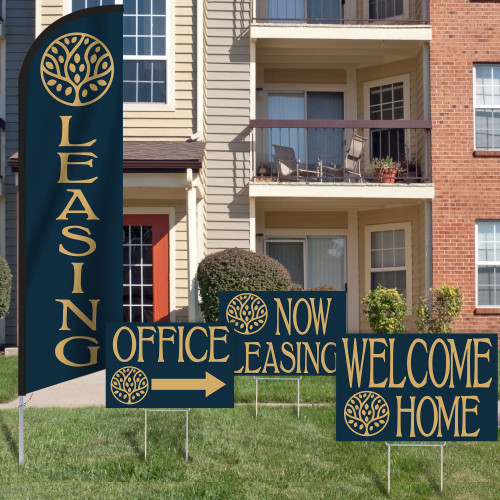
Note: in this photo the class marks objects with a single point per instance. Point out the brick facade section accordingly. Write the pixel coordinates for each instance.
(467, 185)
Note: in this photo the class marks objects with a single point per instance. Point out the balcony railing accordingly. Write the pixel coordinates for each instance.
(341, 12)
(329, 150)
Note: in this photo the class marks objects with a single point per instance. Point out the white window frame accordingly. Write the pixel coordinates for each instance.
(169, 58)
(406, 226)
(475, 106)
(289, 237)
(482, 263)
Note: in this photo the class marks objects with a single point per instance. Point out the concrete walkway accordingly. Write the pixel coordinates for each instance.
(77, 393)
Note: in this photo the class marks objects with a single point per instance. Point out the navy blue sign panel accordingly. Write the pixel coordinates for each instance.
(284, 333)
(408, 387)
(71, 192)
(169, 365)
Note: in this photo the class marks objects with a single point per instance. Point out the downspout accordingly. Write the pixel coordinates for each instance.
(192, 246)
(200, 95)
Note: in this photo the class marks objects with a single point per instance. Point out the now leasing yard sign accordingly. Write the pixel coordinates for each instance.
(284, 333)
(417, 387)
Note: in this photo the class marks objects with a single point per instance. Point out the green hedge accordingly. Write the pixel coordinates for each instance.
(236, 269)
(5, 287)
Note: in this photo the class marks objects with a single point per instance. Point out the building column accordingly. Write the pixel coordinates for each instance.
(352, 255)
(192, 246)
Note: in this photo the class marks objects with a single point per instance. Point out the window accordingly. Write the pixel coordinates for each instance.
(387, 103)
(487, 106)
(145, 48)
(388, 257)
(145, 268)
(310, 11)
(488, 263)
(308, 144)
(385, 9)
(311, 261)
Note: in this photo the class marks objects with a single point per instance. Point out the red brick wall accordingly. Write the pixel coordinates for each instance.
(467, 187)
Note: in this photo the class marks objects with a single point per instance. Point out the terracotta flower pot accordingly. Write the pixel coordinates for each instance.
(386, 176)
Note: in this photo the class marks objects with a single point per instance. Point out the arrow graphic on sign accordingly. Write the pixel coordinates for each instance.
(209, 384)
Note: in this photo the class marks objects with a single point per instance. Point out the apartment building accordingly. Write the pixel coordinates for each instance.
(465, 101)
(254, 124)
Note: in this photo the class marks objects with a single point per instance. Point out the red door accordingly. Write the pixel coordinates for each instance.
(145, 268)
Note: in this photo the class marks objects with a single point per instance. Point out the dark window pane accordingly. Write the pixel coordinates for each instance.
(129, 46)
(159, 92)
(148, 314)
(126, 274)
(158, 25)
(78, 5)
(129, 25)
(130, 71)
(126, 256)
(144, 7)
(147, 275)
(147, 255)
(159, 71)
(93, 3)
(126, 314)
(135, 255)
(126, 295)
(129, 92)
(136, 314)
(136, 275)
(143, 45)
(147, 235)
(144, 71)
(135, 234)
(126, 232)
(136, 295)
(129, 6)
(159, 6)
(144, 92)
(147, 295)
(143, 25)
(159, 46)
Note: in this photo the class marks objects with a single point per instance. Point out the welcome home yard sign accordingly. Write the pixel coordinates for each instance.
(70, 196)
(408, 387)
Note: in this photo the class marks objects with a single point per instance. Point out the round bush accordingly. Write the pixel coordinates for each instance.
(5, 287)
(237, 270)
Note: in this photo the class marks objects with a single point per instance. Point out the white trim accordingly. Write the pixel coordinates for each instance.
(405, 78)
(170, 211)
(408, 255)
(486, 263)
(38, 16)
(484, 107)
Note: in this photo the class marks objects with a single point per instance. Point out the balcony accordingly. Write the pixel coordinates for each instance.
(341, 19)
(316, 152)
(341, 12)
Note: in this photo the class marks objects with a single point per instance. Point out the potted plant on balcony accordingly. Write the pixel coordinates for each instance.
(384, 169)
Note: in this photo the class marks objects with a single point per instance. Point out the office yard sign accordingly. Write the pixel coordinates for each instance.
(409, 387)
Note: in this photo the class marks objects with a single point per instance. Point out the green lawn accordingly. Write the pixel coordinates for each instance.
(8, 378)
(99, 453)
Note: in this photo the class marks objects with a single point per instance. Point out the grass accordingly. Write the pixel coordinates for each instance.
(8, 378)
(99, 453)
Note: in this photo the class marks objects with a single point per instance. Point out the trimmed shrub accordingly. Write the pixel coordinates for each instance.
(437, 313)
(237, 270)
(5, 287)
(385, 310)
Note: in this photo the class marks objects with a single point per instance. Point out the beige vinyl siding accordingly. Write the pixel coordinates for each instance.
(227, 116)
(158, 124)
(414, 214)
(181, 260)
(304, 220)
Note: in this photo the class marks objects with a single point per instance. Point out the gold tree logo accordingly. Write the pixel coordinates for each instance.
(247, 312)
(366, 413)
(77, 69)
(129, 385)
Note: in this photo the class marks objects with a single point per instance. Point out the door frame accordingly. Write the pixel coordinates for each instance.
(169, 212)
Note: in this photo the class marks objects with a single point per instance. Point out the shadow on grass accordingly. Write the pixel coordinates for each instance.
(133, 440)
(381, 486)
(9, 437)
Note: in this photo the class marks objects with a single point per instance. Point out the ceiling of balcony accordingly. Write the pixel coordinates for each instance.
(334, 53)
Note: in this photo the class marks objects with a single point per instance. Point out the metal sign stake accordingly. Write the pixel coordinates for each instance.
(21, 430)
(441, 445)
(298, 379)
(146, 428)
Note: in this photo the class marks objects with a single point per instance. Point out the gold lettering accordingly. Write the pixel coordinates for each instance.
(77, 194)
(270, 351)
(419, 414)
(143, 339)
(310, 354)
(281, 311)
(460, 366)
(188, 344)
(409, 364)
(77, 277)
(431, 363)
(78, 237)
(59, 352)
(442, 411)
(162, 339)
(411, 411)
(64, 157)
(288, 354)
(466, 410)
(247, 356)
(295, 322)
(354, 364)
(323, 362)
(213, 339)
(478, 355)
(320, 315)
(374, 355)
(65, 134)
(115, 344)
(67, 304)
(391, 364)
